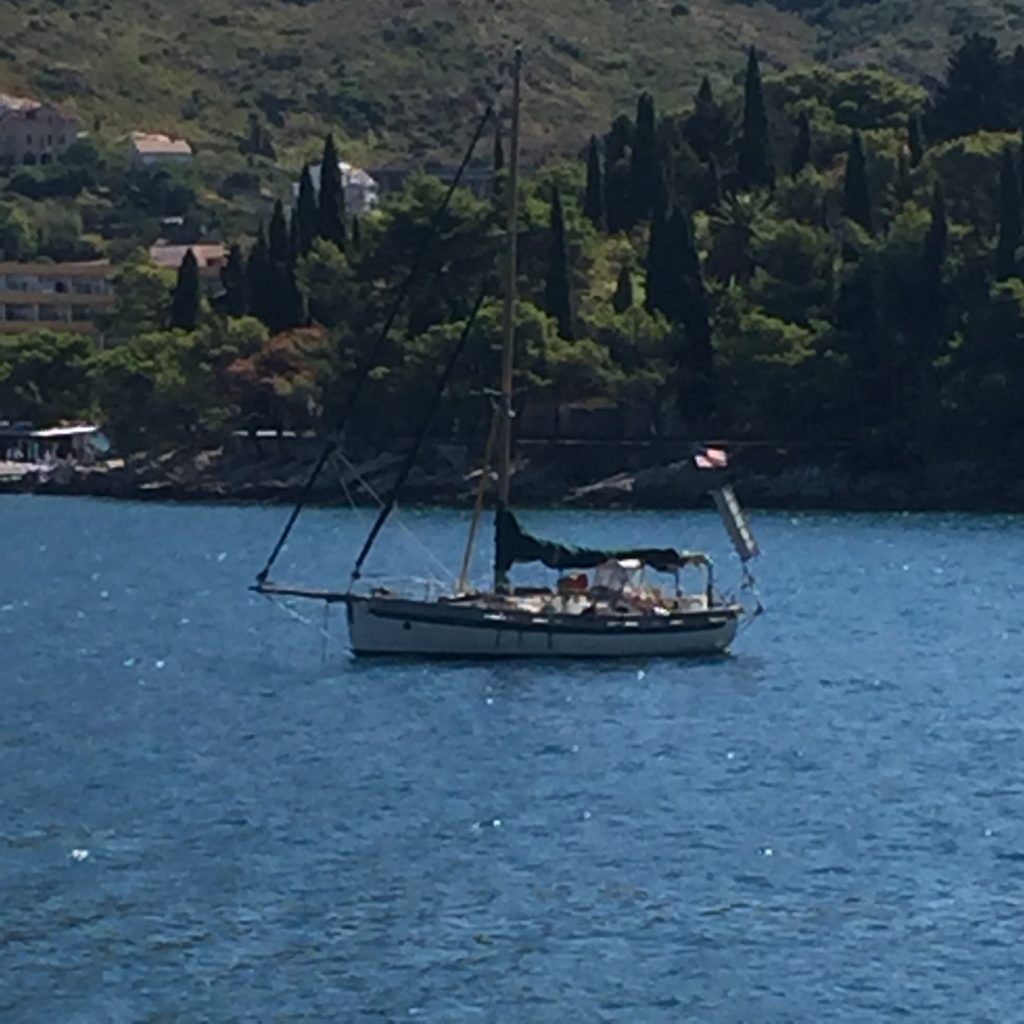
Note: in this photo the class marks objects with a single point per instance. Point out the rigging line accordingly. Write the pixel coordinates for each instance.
(286, 609)
(371, 359)
(478, 505)
(368, 487)
(414, 451)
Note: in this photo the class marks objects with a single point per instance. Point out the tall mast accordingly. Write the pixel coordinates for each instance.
(509, 317)
(504, 437)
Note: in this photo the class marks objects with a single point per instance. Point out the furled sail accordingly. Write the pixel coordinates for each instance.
(513, 545)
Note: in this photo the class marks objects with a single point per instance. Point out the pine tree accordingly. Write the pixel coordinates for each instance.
(257, 278)
(643, 167)
(802, 150)
(306, 212)
(593, 198)
(1009, 217)
(973, 97)
(235, 301)
(915, 139)
(623, 297)
(187, 296)
(331, 207)
(557, 285)
(756, 167)
(856, 189)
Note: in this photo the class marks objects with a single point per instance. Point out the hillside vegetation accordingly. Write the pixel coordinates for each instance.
(821, 256)
(395, 78)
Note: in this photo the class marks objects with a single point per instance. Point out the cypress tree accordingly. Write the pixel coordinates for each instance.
(802, 150)
(1009, 217)
(616, 186)
(257, 278)
(187, 295)
(856, 189)
(714, 184)
(293, 238)
(643, 166)
(623, 297)
(707, 128)
(232, 276)
(306, 212)
(557, 286)
(331, 206)
(937, 238)
(253, 142)
(904, 188)
(593, 197)
(756, 167)
(915, 139)
(688, 307)
(616, 197)
(284, 300)
(293, 304)
(1021, 181)
(619, 140)
(659, 285)
(357, 235)
(258, 141)
(1015, 85)
(932, 296)
(277, 236)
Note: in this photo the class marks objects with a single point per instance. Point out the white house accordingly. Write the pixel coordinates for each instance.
(362, 193)
(149, 148)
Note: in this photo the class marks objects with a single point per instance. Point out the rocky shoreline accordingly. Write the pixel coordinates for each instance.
(585, 475)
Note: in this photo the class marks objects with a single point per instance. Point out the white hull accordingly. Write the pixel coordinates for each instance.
(395, 626)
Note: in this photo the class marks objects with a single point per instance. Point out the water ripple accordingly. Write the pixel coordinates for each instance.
(199, 820)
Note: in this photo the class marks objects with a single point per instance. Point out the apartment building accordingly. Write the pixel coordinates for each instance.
(54, 296)
(32, 132)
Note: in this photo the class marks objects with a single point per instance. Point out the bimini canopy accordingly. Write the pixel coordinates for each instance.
(512, 545)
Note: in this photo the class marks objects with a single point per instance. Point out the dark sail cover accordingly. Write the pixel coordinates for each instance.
(513, 545)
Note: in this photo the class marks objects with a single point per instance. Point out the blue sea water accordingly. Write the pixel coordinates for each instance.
(208, 812)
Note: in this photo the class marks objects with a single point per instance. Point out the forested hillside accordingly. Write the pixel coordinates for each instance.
(814, 256)
(392, 77)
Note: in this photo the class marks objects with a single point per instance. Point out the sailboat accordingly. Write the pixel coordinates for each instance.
(602, 605)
